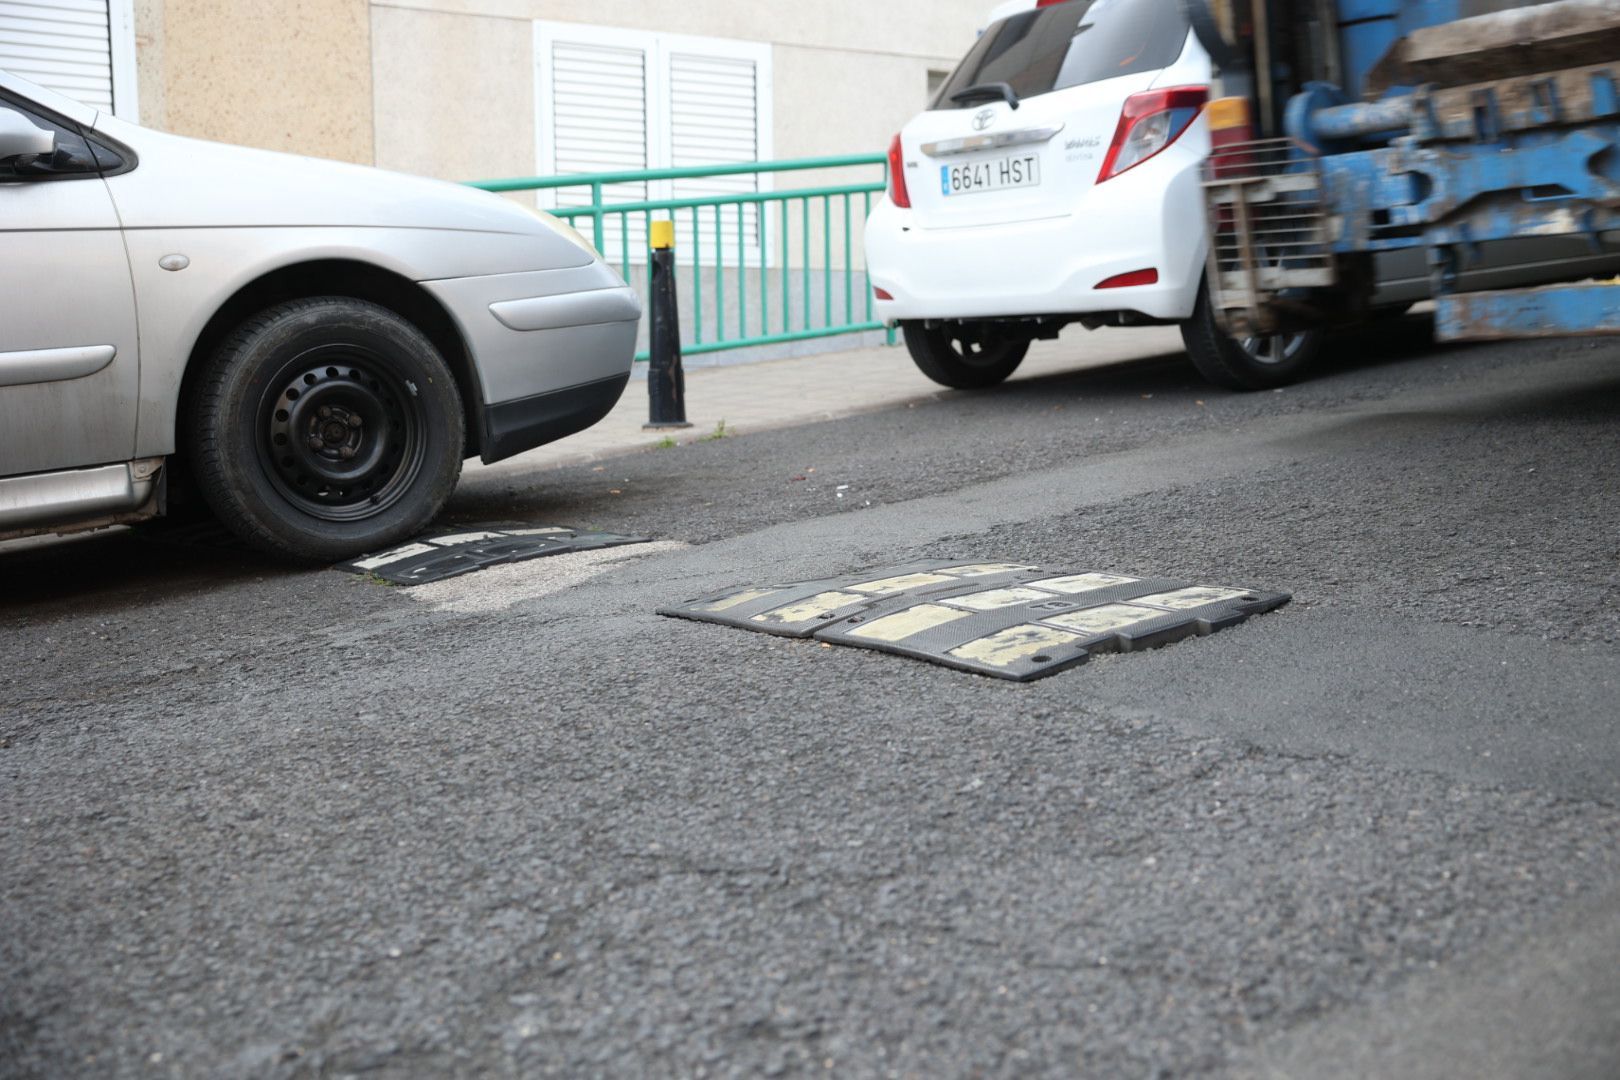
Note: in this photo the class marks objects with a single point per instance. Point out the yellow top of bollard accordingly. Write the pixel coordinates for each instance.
(662, 236)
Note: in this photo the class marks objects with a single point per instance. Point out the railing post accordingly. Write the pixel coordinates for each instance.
(598, 217)
(666, 381)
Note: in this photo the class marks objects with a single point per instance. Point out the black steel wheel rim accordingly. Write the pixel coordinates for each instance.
(341, 435)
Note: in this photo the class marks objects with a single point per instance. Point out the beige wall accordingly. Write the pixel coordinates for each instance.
(445, 88)
(453, 94)
(454, 79)
(900, 27)
(289, 75)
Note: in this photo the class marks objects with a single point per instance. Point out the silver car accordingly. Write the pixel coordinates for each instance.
(311, 347)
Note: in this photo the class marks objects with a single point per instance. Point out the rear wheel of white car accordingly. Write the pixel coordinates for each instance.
(324, 428)
(964, 356)
(1248, 363)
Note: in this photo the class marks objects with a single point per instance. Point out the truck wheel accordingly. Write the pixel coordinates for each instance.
(324, 428)
(1256, 363)
(961, 357)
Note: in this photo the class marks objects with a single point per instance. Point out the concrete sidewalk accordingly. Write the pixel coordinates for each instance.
(802, 390)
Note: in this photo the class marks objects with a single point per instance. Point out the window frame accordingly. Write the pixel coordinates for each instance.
(126, 83)
(657, 47)
(123, 85)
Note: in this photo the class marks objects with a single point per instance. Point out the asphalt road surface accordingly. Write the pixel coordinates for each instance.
(261, 822)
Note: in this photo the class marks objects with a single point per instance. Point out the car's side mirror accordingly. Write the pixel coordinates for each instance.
(21, 137)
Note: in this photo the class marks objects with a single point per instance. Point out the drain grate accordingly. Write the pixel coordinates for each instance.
(445, 555)
(1007, 620)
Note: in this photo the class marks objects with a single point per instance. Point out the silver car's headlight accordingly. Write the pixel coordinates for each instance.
(562, 228)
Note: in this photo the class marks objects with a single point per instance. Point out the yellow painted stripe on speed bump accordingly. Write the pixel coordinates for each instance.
(1195, 596)
(814, 607)
(996, 598)
(1080, 583)
(899, 584)
(1004, 619)
(738, 599)
(1105, 619)
(394, 556)
(1005, 648)
(903, 624)
(983, 569)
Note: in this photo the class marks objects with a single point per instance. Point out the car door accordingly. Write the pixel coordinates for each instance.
(69, 369)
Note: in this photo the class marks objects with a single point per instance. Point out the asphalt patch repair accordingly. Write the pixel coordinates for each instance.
(437, 556)
(1005, 620)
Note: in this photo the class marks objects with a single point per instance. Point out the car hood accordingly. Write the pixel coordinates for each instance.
(186, 183)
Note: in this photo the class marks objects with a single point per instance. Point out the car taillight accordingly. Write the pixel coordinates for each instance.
(1047, 3)
(897, 175)
(1149, 122)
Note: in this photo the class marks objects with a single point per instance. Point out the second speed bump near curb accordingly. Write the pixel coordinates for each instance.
(1006, 620)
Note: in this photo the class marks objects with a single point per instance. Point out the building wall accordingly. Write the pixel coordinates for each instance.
(454, 93)
(446, 87)
(290, 75)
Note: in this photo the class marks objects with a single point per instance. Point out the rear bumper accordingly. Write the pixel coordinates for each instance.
(1151, 216)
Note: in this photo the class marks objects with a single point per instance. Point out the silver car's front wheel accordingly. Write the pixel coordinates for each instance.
(324, 428)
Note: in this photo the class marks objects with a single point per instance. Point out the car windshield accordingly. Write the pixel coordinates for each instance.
(1069, 44)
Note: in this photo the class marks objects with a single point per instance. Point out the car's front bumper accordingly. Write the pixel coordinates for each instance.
(551, 350)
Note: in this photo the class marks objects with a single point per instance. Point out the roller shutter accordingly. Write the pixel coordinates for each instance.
(612, 100)
(81, 48)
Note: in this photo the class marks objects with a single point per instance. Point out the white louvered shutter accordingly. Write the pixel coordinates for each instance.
(599, 124)
(714, 120)
(64, 45)
(615, 100)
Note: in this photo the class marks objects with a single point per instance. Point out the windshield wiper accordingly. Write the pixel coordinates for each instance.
(998, 91)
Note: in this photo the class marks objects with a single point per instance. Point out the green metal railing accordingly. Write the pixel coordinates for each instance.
(744, 228)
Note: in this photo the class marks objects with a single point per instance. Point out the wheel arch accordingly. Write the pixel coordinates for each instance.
(348, 278)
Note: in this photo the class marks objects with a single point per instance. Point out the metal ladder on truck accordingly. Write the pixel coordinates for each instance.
(1370, 126)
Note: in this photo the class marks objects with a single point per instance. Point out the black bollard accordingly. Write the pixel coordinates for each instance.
(666, 381)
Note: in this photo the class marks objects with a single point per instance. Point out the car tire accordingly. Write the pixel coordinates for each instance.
(953, 355)
(324, 428)
(1261, 363)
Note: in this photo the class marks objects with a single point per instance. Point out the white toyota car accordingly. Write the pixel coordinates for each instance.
(1055, 179)
(311, 347)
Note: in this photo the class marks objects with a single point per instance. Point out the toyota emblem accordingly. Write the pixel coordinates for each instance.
(983, 119)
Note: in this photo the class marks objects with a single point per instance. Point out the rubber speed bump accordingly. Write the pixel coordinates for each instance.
(1006, 620)
(446, 554)
(801, 608)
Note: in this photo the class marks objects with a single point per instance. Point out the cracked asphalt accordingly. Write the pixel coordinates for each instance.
(260, 822)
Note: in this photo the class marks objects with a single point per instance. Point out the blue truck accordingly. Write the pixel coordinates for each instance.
(1354, 134)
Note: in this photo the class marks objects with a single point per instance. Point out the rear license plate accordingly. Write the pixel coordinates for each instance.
(1019, 170)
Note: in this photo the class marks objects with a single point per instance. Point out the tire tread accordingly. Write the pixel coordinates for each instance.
(215, 472)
